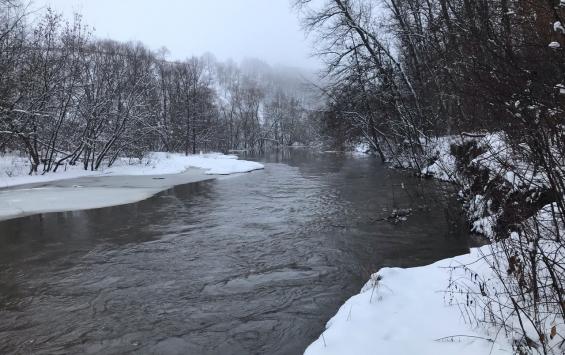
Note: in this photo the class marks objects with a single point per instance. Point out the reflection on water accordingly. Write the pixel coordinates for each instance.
(243, 265)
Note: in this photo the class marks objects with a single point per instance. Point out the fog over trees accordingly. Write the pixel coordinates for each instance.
(68, 98)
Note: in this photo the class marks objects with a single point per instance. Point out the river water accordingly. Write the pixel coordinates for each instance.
(254, 264)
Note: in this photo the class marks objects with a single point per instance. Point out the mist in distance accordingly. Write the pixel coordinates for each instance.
(266, 30)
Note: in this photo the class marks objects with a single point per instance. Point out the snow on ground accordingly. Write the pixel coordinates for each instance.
(19, 203)
(361, 148)
(425, 310)
(167, 163)
(405, 312)
(444, 166)
(497, 157)
(14, 170)
(126, 182)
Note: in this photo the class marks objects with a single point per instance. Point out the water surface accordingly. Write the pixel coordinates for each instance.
(254, 264)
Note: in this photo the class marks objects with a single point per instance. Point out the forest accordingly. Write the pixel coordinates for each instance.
(68, 98)
(403, 71)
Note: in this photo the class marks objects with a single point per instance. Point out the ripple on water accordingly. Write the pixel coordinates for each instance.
(253, 264)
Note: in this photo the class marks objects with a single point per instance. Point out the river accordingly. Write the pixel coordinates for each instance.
(252, 264)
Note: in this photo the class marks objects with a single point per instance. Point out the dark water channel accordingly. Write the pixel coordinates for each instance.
(254, 264)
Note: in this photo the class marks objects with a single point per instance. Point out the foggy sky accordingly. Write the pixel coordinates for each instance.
(236, 29)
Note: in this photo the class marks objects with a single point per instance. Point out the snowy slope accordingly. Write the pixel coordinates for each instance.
(406, 312)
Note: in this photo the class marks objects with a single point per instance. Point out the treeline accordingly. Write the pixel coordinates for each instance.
(405, 72)
(67, 98)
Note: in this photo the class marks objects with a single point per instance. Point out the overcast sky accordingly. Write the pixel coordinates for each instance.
(264, 29)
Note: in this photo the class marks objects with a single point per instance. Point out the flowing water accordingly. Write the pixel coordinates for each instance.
(253, 264)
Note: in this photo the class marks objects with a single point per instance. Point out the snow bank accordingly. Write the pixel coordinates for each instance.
(490, 289)
(170, 163)
(408, 311)
(19, 203)
(126, 182)
(14, 170)
(497, 157)
(444, 166)
(461, 305)
(361, 148)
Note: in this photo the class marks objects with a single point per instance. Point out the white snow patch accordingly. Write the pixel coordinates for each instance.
(407, 312)
(14, 170)
(361, 148)
(126, 182)
(19, 203)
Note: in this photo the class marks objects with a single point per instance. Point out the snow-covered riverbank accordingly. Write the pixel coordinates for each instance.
(409, 311)
(14, 169)
(127, 182)
(463, 305)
